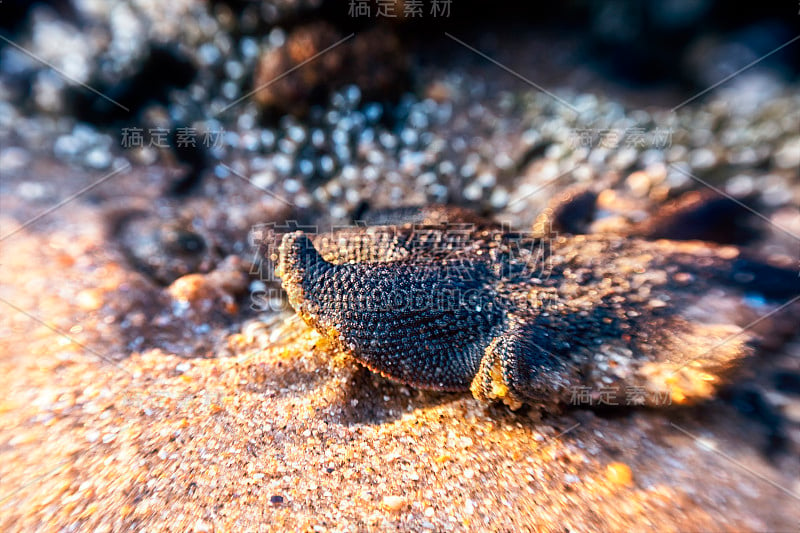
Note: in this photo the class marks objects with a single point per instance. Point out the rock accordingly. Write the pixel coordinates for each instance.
(619, 474)
(310, 64)
(393, 503)
(162, 249)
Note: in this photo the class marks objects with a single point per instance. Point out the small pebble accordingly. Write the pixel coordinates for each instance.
(393, 503)
(619, 474)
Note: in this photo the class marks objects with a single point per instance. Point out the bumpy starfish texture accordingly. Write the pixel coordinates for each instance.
(454, 302)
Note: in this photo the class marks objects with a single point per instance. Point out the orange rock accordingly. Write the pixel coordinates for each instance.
(393, 503)
(189, 288)
(619, 474)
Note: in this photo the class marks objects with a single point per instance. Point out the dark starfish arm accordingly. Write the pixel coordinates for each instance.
(548, 359)
(417, 322)
(526, 363)
(703, 215)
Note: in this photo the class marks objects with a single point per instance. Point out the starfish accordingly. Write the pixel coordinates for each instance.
(451, 301)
